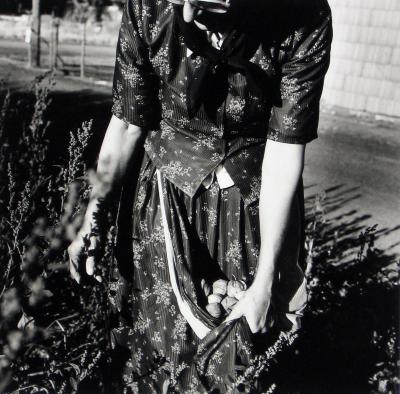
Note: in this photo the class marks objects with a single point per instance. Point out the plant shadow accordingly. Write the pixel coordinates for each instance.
(349, 338)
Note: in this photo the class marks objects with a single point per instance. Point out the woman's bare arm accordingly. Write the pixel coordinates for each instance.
(121, 145)
(281, 172)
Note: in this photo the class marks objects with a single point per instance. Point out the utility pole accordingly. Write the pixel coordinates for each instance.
(34, 58)
(54, 37)
(83, 47)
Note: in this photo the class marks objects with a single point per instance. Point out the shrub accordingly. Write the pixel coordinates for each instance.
(53, 333)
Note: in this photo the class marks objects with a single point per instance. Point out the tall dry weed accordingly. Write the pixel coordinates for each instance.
(52, 333)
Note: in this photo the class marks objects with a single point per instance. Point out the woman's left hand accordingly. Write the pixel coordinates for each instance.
(254, 306)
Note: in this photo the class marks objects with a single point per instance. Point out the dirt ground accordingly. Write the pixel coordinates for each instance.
(355, 161)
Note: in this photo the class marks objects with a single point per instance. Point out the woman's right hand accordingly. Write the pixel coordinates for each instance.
(83, 252)
(122, 146)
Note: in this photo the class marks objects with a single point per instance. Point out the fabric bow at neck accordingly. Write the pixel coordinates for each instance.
(209, 85)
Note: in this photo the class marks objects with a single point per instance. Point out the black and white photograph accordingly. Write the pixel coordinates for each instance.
(199, 196)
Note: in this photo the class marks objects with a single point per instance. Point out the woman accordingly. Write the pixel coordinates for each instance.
(222, 96)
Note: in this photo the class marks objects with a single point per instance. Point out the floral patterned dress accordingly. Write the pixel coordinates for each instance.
(179, 227)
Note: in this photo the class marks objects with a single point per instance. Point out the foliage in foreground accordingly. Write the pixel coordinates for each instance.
(53, 333)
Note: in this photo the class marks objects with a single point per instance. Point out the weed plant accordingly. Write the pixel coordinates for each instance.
(53, 333)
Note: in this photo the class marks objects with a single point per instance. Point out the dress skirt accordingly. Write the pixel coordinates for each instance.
(214, 236)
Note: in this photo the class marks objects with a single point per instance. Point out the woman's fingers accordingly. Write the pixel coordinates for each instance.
(73, 271)
(188, 12)
(98, 278)
(237, 311)
(79, 255)
(90, 267)
(253, 326)
(92, 256)
(263, 330)
(90, 261)
(255, 314)
(74, 256)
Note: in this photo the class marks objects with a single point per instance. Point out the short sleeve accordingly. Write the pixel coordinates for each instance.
(295, 120)
(135, 85)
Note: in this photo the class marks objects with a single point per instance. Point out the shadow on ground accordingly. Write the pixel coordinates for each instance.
(349, 340)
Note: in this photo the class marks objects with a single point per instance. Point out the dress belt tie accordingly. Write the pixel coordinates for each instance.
(199, 328)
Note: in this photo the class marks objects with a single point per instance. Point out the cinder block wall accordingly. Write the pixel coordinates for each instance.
(365, 66)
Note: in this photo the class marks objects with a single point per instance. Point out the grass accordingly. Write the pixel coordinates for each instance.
(14, 28)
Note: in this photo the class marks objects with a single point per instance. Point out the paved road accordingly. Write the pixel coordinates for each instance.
(99, 59)
(355, 160)
(19, 50)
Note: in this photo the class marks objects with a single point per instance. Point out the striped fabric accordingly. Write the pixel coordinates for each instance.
(152, 74)
(212, 236)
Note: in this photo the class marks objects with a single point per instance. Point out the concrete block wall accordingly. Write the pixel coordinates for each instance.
(365, 67)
